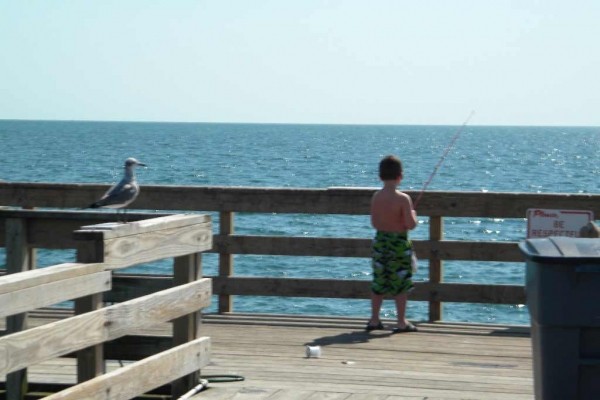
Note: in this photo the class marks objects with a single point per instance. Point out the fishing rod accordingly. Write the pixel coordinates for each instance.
(446, 151)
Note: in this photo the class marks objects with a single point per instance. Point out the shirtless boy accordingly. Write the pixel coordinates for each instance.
(392, 216)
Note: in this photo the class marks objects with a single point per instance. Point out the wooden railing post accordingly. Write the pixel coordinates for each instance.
(225, 259)
(32, 252)
(17, 260)
(186, 329)
(90, 361)
(436, 266)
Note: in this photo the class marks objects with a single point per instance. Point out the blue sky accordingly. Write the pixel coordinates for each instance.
(520, 62)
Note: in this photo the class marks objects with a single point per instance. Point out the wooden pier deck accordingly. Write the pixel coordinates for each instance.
(441, 361)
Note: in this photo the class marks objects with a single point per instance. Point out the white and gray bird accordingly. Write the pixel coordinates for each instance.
(123, 193)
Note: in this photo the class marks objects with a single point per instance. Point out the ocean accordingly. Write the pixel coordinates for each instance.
(484, 158)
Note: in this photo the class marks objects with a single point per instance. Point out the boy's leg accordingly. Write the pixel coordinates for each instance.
(401, 300)
(376, 301)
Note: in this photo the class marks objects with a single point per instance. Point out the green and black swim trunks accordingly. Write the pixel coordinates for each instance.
(392, 272)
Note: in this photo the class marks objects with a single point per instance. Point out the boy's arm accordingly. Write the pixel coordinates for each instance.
(372, 209)
(410, 215)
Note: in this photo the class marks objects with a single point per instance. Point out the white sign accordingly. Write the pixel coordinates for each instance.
(543, 223)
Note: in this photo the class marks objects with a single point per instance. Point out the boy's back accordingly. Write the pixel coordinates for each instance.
(391, 210)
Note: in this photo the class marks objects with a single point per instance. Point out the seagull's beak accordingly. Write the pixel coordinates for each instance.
(141, 164)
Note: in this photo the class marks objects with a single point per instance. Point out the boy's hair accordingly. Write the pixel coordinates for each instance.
(390, 168)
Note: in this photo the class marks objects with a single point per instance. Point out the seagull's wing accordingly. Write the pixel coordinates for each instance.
(117, 188)
(119, 195)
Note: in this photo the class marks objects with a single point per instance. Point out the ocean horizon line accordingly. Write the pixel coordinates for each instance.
(508, 125)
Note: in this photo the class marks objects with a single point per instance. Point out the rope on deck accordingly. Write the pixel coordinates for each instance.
(211, 379)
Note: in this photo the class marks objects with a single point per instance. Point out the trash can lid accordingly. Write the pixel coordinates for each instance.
(562, 249)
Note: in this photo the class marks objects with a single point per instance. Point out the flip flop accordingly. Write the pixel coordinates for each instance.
(408, 328)
(370, 327)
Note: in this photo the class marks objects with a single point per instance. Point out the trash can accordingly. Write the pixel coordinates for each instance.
(563, 297)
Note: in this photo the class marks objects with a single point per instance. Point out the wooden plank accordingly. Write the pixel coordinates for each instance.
(90, 360)
(54, 229)
(17, 261)
(250, 199)
(186, 269)
(436, 266)
(260, 286)
(469, 250)
(226, 229)
(32, 257)
(34, 278)
(331, 288)
(287, 394)
(247, 393)
(114, 230)
(126, 287)
(17, 255)
(355, 289)
(293, 246)
(124, 252)
(368, 396)
(82, 217)
(123, 245)
(353, 247)
(295, 200)
(49, 341)
(328, 396)
(53, 292)
(142, 376)
(470, 293)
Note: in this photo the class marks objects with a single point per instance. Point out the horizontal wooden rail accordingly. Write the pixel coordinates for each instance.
(118, 246)
(33, 278)
(140, 377)
(345, 247)
(295, 246)
(138, 285)
(47, 294)
(354, 289)
(54, 230)
(294, 200)
(65, 336)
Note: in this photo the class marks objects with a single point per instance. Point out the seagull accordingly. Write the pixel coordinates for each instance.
(123, 193)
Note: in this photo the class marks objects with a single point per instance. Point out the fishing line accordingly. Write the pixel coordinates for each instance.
(446, 151)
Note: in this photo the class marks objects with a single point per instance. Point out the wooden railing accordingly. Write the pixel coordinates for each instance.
(102, 249)
(351, 201)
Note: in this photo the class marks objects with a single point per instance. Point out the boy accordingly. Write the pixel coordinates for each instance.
(392, 215)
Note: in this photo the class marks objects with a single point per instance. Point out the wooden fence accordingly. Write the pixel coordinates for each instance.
(102, 249)
(351, 201)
